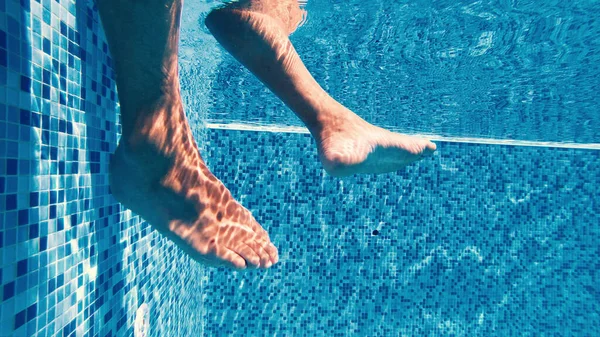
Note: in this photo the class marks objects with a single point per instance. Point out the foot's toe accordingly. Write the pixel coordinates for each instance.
(233, 260)
(248, 253)
(430, 148)
(265, 258)
(261, 248)
(427, 150)
(273, 253)
(267, 250)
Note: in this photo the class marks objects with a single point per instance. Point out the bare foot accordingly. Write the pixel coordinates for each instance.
(158, 173)
(348, 145)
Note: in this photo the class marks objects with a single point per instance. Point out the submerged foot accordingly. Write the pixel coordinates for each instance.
(158, 173)
(348, 145)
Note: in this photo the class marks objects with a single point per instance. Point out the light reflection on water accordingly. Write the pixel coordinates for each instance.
(524, 70)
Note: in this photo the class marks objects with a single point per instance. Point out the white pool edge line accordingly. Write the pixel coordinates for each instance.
(485, 141)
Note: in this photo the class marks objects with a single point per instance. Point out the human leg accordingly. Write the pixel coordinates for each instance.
(157, 170)
(256, 33)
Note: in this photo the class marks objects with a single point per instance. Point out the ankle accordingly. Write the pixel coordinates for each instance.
(138, 103)
(160, 120)
(328, 116)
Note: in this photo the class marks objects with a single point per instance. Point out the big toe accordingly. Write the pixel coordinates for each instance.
(429, 149)
(255, 254)
(232, 259)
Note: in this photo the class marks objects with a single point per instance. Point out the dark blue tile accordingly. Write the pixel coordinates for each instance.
(9, 290)
(47, 46)
(43, 243)
(11, 166)
(46, 76)
(34, 231)
(34, 199)
(3, 39)
(45, 126)
(51, 285)
(20, 319)
(22, 267)
(25, 5)
(3, 57)
(3, 79)
(46, 91)
(25, 114)
(69, 328)
(31, 312)
(63, 28)
(11, 202)
(23, 217)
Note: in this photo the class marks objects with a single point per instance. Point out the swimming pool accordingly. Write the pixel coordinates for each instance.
(487, 237)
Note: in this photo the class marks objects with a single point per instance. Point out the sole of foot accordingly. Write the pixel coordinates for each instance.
(178, 196)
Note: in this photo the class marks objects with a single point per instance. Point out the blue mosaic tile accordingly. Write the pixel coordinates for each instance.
(62, 258)
(478, 240)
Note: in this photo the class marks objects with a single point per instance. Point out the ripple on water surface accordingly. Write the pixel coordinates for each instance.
(526, 70)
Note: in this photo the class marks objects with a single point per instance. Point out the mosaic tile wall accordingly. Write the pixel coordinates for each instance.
(73, 262)
(478, 240)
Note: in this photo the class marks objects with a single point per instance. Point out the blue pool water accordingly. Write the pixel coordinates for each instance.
(523, 70)
(482, 239)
